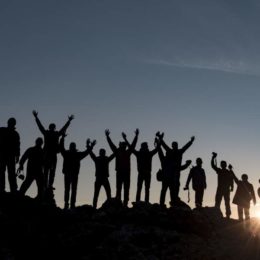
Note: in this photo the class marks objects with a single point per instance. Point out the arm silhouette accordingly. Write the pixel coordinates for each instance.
(111, 157)
(214, 163)
(62, 146)
(23, 159)
(65, 127)
(111, 144)
(38, 122)
(186, 165)
(89, 150)
(188, 180)
(188, 145)
(133, 144)
(252, 194)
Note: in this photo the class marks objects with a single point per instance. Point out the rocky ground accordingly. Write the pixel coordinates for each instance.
(29, 230)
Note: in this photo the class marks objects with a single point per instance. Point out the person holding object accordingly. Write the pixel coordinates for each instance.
(198, 177)
(225, 184)
(244, 194)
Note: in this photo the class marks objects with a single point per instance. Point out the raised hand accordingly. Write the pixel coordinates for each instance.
(71, 117)
(192, 138)
(93, 143)
(107, 132)
(88, 143)
(35, 113)
(188, 162)
(136, 131)
(214, 155)
(123, 135)
(159, 135)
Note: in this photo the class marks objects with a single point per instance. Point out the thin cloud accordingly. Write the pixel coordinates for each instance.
(221, 65)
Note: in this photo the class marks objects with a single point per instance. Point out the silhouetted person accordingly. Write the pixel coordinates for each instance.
(34, 157)
(71, 168)
(144, 166)
(173, 163)
(9, 154)
(51, 148)
(198, 178)
(170, 177)
(244, 194)
(102, 173)
(225, 184)
(122, 155)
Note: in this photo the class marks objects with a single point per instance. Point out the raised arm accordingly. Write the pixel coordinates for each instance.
(234, 177)
(89, 150)
(38, 122)
(188, 145)
(23, 159)
(186, 165)
(164, 145)
(133, 144)
(214, 162)
(62, 146)
(111, 144)
(65, 127)
(111, 157)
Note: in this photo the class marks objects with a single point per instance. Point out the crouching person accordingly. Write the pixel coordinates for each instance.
(71, 167)
(244, 194)
(34, 157)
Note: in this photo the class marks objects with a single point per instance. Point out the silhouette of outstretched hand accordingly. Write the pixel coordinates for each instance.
(35, 113)
(71, 117)
(186, 188)
(136, 131)
(214, 155)
(188, 162)
(88, 143)
(192, 138)
(107, 132)
(124, 135)
(93, 143)
(159, 135)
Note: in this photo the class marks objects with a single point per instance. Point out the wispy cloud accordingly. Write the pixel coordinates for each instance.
(222, 65)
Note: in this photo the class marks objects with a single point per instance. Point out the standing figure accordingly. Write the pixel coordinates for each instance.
(34, 157)
(102, 173)
(51, 148)
(71, 168)
(244, 194)
(123, 168)
(144, 166)
(173, 163)
(198, 177)
(169, 176)
(9, 154)
(225, 184)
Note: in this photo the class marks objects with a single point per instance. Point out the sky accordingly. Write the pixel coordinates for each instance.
(182, 67)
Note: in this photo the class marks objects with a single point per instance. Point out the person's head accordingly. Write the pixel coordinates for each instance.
(223, 164)
(73, 147)
(52, 127)
(174, 145)
(102, 152)
(39, 142)
(199, 161)
(122, 145)
(144, 146)
(11, 122)
(244, 177)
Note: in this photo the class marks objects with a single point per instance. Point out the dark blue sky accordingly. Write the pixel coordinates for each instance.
(183, 67)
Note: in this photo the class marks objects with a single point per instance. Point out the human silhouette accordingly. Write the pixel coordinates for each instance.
(102, 173)
(9, 154)
(198, 178)
(225, 184)
(170, 176)
(71, 168)
(123, 168)
(34, 157)
(144, 166)
(51, 148)
(244, 194)
(173, 165)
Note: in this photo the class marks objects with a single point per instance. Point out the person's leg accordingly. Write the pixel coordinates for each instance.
(96, 193)
(174, 193)
(74, 185)
(107, 188)
(40, 185)
(218, 198)
(2, 175)
(227, 203)
(53, 164)
(126, 189)
(11, 174)
(139, 186)
(247, 214)
(26, 184)
(147, 183)
(163, 193)
(67, 190)
(119, 183)
(240, 213)
(198, 197)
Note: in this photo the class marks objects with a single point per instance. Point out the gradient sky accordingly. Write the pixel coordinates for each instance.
(183, 67)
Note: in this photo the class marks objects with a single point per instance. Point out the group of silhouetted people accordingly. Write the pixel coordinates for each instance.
(42, 160)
